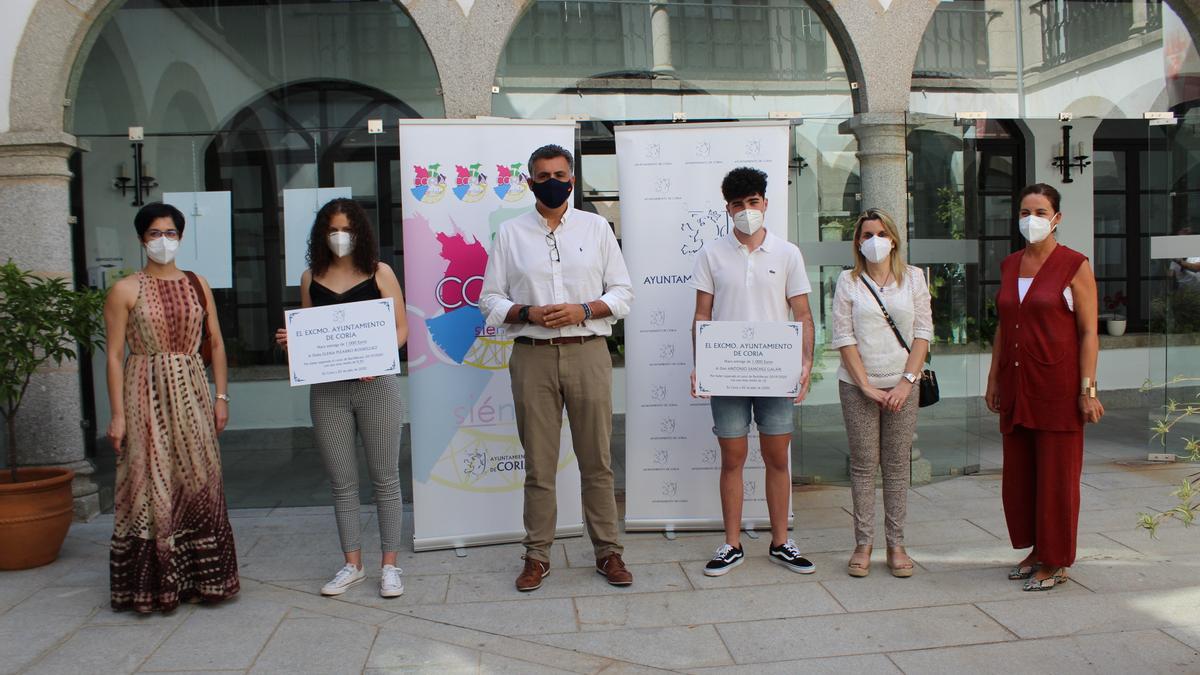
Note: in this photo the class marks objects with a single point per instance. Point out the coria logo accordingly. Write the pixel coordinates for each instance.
(666, 279)
(471, 184)
(429, 185)
(512, 184)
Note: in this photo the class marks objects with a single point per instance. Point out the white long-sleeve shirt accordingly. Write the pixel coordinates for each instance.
(523, 269)
(857, 320)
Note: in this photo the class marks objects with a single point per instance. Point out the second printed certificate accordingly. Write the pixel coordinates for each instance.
(749, 358)
(342, 342)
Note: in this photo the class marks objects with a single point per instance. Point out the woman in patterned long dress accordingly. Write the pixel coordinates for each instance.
(171, 537)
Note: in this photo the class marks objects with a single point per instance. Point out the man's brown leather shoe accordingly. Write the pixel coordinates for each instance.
(613, 569)
(531, 577)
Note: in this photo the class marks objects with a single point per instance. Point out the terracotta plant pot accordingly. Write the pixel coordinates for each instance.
(35, 514)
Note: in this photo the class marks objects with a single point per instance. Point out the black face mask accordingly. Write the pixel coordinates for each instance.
(551, 192)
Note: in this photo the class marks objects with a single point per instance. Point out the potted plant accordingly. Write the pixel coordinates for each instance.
(1115, 321)
(831, 230)
(44, 322)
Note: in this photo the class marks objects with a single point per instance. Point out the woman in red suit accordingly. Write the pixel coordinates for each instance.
(1043, 384)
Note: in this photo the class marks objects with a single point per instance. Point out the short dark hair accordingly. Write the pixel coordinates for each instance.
(743, 182)
(1044, 190)
(550, 152)
(366, 252)
(152, 212)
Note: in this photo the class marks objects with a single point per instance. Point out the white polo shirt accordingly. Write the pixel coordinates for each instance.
(751, 285)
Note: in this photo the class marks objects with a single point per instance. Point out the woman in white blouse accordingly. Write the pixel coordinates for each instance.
(877, 380)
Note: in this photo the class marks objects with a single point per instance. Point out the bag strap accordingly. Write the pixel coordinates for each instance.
(887, 316)
(195, 281)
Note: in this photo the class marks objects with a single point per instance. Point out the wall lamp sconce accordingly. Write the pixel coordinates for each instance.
(141, 182)
(800, 164)
(1064, 162)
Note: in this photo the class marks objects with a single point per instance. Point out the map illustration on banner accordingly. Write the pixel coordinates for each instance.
(671, 208)
(468, 464)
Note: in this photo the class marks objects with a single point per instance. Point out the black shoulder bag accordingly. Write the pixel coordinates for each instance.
(927, 384)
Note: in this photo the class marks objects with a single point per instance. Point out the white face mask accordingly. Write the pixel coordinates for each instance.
(748, 221)
(341, 243)
(162, 250)
(876, 249)
(1035, 228)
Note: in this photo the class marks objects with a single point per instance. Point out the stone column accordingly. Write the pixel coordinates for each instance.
(35, 186)
(883, 168)
(660, 37)
(1140, 17)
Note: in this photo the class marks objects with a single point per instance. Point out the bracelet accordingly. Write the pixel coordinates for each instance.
(587, 311)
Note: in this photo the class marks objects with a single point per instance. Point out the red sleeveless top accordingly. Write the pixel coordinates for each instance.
(1039, 360)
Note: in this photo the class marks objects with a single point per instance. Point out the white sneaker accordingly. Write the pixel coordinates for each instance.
(390, 585)
(343, 580)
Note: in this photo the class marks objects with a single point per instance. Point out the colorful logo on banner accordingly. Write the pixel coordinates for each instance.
(512, 184)
(470, 185)
(429, 185)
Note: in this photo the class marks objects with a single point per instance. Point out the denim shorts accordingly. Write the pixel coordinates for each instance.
(731, 415)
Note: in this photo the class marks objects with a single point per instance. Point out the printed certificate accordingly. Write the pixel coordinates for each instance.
(749, 358)
(342, 342)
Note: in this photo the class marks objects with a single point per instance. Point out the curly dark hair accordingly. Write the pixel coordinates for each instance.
(743, 182)
(366, 251)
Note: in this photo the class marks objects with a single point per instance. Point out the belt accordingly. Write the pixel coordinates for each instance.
(576, 340)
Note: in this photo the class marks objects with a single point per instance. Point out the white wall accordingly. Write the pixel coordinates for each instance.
(16, 15)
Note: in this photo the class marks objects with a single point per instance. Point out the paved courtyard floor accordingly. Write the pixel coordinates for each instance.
(1133, 605)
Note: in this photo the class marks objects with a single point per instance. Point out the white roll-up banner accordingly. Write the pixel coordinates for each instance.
(671, 207)
(463, 179)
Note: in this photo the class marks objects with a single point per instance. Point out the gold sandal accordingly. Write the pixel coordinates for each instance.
(856, 569)
(901, 572)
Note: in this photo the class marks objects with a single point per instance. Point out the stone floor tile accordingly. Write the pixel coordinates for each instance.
(307, 544)
(305, 646)
(72, 601)
(103, 649)
(418, 590)
(226, 636)
(999, 553)
(1188, 635)
(1150, 573)
(1096, 613)
(676, 647)
(1115, 653)
(868, 664)
(394, 650)
(314, 602)
(23, 638)
(513, 617)
(649, 548)
(859, 633)
(490, 664)
(1114, 480)
(1138, 498)
(690, 607)
(1173, 538)
(815, 496)
(915, 534)
(1093, 520)
(881, 591)
(565, 582)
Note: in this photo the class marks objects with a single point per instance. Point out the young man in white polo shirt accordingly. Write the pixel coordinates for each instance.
(753, 275)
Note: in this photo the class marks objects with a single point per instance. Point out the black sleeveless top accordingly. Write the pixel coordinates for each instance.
(365, 290)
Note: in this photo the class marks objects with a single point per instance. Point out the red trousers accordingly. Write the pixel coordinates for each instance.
(1040, 488)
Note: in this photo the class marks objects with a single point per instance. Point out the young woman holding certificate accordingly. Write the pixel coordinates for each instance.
(882, 324)
(343, 259)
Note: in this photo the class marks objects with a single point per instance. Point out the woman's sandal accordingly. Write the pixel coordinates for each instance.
(1058, 577)
(901, 572)
(1021, 572)
(856, 569)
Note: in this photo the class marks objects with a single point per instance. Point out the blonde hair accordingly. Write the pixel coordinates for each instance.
(895, 261)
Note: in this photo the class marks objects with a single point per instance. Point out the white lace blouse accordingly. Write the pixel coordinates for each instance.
(857, 320)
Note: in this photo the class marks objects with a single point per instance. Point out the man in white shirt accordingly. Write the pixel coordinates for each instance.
(1186, 271)
(753, 275)
(556, 281)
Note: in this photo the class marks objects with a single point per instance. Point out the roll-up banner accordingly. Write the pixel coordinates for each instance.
(671, 207)
(463, 179)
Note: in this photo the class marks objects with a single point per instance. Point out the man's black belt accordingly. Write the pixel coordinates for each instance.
(575, 340)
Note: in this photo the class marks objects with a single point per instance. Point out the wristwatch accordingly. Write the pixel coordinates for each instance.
(912, 379)
(523, 314)
(223, 397)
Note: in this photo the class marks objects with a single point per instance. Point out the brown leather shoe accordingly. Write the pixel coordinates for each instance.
(531, 577)
(613, 569)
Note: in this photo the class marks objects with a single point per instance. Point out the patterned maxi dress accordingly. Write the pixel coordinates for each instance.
(171, 538)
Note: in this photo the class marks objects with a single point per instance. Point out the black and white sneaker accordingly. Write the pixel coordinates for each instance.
(727, 558)
(789, 556)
